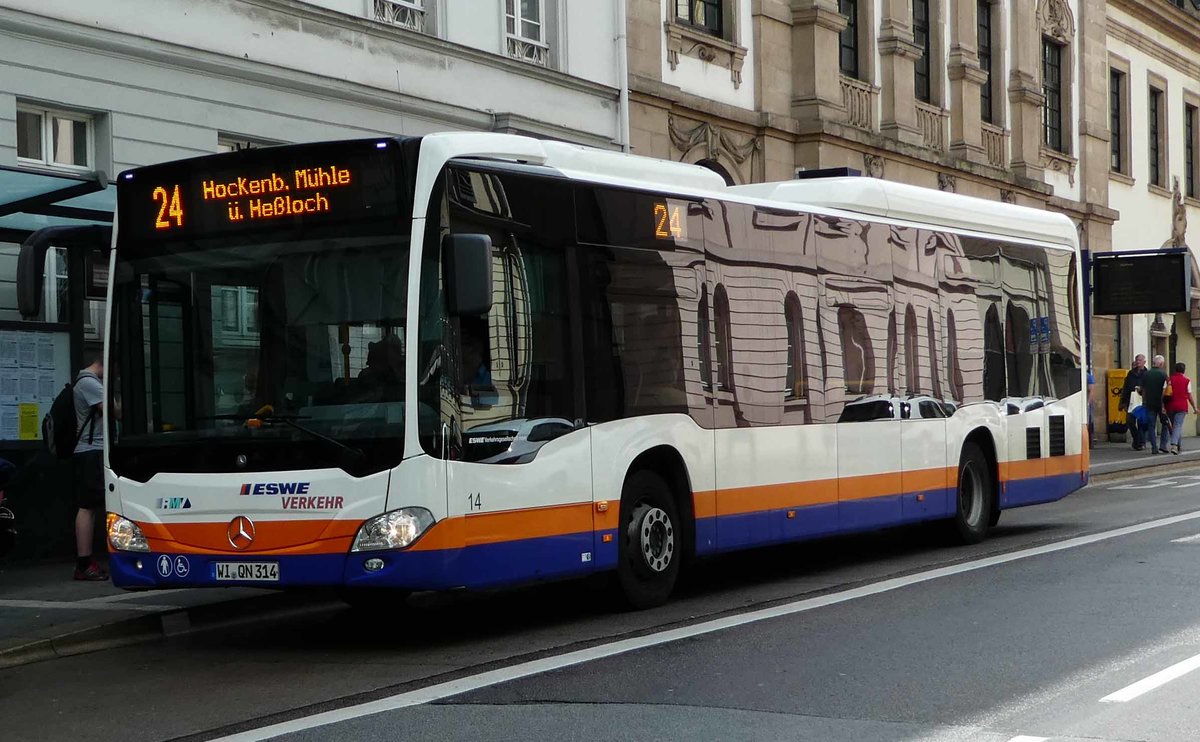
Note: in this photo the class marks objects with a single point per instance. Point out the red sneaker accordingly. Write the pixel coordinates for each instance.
(93, 573)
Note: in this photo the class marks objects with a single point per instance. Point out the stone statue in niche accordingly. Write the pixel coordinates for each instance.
(1178, 218)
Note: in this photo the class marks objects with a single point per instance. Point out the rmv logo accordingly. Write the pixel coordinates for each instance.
(276, 488)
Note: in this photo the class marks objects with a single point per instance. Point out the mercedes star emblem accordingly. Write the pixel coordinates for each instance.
(241, 460)
(241, 533)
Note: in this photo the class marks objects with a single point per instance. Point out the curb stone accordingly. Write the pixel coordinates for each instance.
(165, 625)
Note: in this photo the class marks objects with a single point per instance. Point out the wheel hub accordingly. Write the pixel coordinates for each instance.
(657, 539)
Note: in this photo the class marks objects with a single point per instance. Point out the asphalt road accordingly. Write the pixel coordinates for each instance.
(1058, 627)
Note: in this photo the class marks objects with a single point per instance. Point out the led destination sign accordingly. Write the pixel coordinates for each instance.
(306, 184)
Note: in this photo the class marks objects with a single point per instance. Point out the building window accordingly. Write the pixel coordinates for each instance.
(1116, 107)
(848, 40)
(1052, 89)
(525, 30)
(703, 14)
(983, 19)
(922, 38)
(54, 138)
(1190, 130)
(1155, 131)
(409, 14)
(235, 143)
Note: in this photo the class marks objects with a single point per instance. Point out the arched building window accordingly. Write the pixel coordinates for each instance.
(719, 169)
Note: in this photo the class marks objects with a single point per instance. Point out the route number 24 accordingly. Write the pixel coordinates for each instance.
(170, 208)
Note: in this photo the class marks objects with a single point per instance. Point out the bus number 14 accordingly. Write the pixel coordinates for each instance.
(474, 502)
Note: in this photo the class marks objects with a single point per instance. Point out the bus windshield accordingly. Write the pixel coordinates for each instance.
(265, 356)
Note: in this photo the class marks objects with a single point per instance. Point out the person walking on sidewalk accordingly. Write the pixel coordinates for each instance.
(89, 466)
(1177, 404)
(1154, 383)
(1133, 380)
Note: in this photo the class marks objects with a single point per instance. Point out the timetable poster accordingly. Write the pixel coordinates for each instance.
(34, 367)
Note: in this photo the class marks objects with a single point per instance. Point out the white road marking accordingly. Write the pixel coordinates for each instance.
(83, 605)
(569, 659)
(1160, 678)
(1027, 738)
(1187, 539)
(131, 596)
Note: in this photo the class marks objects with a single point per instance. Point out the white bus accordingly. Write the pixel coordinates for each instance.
(475, 360)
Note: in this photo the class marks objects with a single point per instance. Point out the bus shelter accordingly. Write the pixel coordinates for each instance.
(55, 232)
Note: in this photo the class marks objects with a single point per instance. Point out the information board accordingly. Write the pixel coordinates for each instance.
(34, 367)
(1141, 283)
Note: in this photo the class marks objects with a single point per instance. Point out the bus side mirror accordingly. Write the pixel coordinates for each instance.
(468, 270)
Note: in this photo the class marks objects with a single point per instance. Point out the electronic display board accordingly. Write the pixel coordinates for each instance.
(287, 186)
(1141, 283)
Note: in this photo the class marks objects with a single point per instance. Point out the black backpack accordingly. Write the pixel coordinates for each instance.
(58, 426)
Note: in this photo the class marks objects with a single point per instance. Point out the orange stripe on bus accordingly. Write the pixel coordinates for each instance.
(336, 536)
(508, 525)
(270, 537)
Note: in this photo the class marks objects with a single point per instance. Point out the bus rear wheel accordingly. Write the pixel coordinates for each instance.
(975, 500)
(650, 541)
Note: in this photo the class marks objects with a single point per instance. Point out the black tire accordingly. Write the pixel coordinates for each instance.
(375, 601)
(650, 541)
(975, 499)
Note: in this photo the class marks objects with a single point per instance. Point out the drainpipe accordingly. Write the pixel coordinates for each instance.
(622, 41)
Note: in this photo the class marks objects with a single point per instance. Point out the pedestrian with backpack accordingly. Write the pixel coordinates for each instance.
(88, 461)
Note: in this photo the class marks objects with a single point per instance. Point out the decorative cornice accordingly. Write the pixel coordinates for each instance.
(1163, 17)
(1056, 20)
(899, 47)
(830, 20)
(1059, 162)
(684, 40)
(1168, 56)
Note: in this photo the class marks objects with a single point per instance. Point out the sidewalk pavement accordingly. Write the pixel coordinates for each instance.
(45, 614)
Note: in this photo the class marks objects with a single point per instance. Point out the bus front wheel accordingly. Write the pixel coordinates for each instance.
(650, 541)
(975, 500)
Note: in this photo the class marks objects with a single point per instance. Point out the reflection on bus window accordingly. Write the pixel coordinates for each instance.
(912, 362)
(858, 357)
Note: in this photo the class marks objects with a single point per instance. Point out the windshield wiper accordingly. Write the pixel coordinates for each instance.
(266, 415)
(356, 455)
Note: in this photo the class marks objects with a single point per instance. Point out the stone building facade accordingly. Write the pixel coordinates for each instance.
(1153, 80)
(1000, 99)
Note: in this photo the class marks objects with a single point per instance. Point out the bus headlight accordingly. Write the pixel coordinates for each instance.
(124, 534)
(394, 530)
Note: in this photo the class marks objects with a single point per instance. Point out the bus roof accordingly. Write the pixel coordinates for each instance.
(923, 205)
(861, 195)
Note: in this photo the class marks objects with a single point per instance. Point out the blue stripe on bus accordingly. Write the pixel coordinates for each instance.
(554, 557)
(1021, 492)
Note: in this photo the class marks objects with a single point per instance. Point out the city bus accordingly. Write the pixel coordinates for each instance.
(478, 360)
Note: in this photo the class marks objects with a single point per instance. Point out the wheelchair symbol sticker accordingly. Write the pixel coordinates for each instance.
(181, 566)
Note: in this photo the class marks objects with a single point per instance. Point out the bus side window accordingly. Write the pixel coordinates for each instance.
(509, 371)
